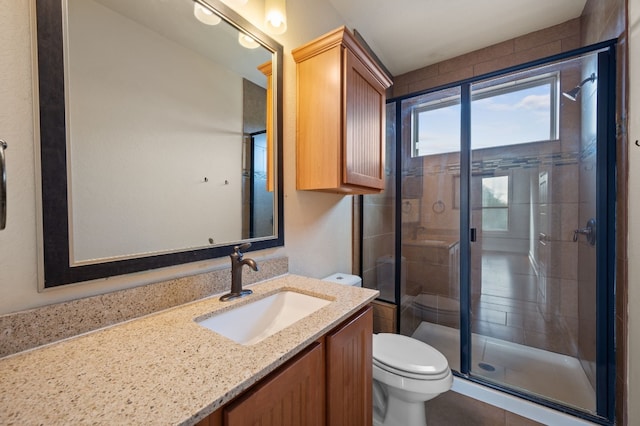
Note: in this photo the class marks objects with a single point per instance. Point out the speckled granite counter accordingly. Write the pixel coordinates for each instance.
(163, 368)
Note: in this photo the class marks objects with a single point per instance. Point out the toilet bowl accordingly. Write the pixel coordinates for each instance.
(406, 373)
(437, 309)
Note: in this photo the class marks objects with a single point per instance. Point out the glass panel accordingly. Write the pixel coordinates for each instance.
(430, 310)
(532, 286)
(379, 235)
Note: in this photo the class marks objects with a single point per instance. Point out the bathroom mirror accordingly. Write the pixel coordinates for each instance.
(160, 135)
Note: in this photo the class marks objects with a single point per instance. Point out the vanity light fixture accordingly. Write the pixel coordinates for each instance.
(275, 16)
(247, 41)
(205, 15)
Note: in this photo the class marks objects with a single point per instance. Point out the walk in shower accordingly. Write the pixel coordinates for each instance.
(495, 239)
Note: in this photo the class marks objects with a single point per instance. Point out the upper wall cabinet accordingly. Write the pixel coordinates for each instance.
(341, 116)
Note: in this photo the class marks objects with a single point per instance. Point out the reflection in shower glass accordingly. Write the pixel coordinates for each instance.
(495, 203)
(431, 223)
(379, 236)
(530, 313)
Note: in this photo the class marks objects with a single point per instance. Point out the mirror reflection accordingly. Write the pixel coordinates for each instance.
(156, 124)
(169, 134)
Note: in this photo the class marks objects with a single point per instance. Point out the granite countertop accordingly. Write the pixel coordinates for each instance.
(163, 368)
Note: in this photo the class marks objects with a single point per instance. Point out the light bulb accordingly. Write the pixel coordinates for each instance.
(275, 14)
(247, 41)
(205, 15)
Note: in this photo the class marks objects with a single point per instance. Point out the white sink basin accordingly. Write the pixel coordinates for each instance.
(250, 323)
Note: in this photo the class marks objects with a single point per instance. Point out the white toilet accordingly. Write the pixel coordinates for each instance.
(406, 373)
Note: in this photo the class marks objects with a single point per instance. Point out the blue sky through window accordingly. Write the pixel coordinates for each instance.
(512, 118)
(500, 116)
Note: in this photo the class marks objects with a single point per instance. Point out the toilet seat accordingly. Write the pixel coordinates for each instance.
(408, 357)
(409, 375)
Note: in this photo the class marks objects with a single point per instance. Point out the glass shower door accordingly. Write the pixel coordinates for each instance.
(505, 242)
(533, 261)
(430, 220)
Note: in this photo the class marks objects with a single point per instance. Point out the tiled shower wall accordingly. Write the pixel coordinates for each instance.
(536, 45)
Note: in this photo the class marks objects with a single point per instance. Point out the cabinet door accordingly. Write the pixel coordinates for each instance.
(214, 419)
(364, 138)
(293, 396)
(319, 125)
(349, 372)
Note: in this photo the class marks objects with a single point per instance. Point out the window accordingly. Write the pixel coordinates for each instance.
(503, 112)
(515, 112)
(495, 203)
(436, 127)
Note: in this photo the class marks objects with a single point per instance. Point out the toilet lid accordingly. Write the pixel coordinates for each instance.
(408, 355)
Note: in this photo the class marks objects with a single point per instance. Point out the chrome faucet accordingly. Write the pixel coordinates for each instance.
(237, 262)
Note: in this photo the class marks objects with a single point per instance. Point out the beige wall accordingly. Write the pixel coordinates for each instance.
(317, 226)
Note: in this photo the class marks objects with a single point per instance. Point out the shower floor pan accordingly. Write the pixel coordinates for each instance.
(549, 374)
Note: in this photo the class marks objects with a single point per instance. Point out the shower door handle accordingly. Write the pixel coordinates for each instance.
(3, 186)
(588, 231)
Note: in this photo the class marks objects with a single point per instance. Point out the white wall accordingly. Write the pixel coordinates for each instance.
(633, 354)
(317, 226)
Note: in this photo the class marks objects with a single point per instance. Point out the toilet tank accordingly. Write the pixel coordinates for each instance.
(346, 279)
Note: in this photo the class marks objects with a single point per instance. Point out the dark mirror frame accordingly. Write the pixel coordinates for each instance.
(55, 216)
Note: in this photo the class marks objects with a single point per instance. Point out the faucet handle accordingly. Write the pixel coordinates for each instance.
(237, 249)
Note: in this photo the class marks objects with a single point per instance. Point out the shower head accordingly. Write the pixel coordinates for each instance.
(573, 93)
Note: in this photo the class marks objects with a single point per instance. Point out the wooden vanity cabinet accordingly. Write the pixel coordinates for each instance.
(340, 116)
(328, 383)
(350, 372)
(293, 396)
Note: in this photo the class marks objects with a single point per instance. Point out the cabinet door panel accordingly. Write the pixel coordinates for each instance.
(319, 121)
(364, 146)
(294, 396)
(349, 372)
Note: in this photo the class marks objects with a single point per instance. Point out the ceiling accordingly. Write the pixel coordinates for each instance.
(410, 34)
